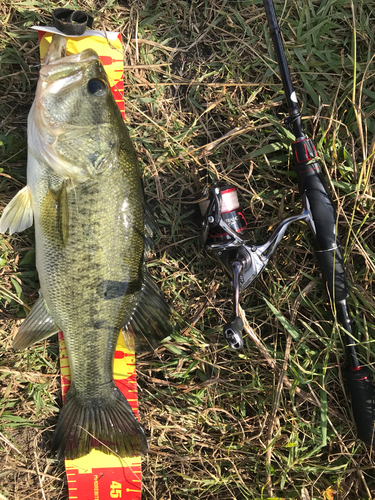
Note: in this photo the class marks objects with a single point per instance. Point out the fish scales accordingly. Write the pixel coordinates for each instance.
(84, 192)
(100, 248)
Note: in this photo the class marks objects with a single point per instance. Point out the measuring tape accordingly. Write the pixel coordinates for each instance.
(98, 476)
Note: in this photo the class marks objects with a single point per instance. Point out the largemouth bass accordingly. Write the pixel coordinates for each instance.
(84, 193)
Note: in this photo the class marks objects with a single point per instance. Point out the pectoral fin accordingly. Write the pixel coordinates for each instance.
(37, 326)
(55, 215)
(18, 214)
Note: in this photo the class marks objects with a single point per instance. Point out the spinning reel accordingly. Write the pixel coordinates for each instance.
(242, 260)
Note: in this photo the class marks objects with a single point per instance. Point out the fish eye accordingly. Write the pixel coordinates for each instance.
(97, 87)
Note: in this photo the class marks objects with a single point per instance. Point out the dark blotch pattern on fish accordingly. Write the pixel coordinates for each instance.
(109, 289)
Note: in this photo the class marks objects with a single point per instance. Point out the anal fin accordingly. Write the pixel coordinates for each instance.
(37, 326)
(18, 214)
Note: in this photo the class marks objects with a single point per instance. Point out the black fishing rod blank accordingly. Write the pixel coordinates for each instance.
(323, 222)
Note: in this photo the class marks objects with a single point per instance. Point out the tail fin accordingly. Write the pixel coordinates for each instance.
(106, 424)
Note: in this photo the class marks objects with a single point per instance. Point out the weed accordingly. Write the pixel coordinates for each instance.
(204, 101)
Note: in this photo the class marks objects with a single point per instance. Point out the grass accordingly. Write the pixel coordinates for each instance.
(272, 421)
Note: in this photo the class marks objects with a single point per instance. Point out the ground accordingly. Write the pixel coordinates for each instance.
(204, 102)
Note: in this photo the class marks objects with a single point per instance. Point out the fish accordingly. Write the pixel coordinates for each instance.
(85, 196)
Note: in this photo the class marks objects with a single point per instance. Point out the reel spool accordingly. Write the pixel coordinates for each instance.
(242, 261)
(230, 212)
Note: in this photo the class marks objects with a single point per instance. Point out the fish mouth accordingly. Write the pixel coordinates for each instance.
(57, 64)
(56, 50)
(61, 75)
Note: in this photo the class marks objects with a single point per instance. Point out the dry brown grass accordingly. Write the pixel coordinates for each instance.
(203, 101)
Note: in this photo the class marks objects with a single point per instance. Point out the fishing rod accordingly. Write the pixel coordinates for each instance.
(243, 260)
(323, 223)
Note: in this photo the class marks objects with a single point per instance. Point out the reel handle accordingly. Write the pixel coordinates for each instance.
(233, 333)
(233, 329)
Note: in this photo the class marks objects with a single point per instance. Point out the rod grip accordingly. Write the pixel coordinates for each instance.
(313, 187)
(362, 394)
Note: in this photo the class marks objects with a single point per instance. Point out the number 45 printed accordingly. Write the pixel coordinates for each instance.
(115, 491)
